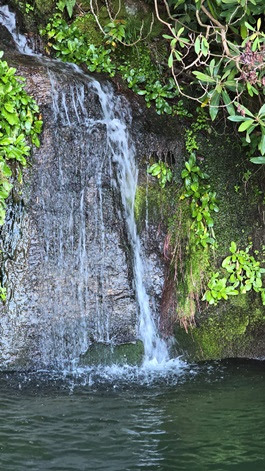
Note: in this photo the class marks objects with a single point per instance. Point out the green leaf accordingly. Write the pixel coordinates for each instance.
(262, 110)
(227, 101)
(243, 31)
(203, 77)
(261, 145)
(70, 6)
(214, 105)
(11, 118)
(258, 160)
(9, 107)
(236, 118)
(249, 26)
(166, 36)
(170, 60)
(197, 45)
(233, 247)
(245, 125)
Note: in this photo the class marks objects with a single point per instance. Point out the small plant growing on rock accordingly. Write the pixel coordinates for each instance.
(243, 274)
(19, 125)
(203, 201)
(161, 171)
(2, 293)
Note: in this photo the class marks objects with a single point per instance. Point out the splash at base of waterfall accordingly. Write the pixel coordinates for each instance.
(172, 372)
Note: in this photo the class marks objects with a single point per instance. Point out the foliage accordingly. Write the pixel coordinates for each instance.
(19, 124)
(203, 202)
(71, 46)
(68, 4)
(27, 7)
(243, 274)
(115, 32)
(2, 293)
(161, 171)
(160, 93)
(220, 43)
(216, 57)
(250, 122)
(218, 289)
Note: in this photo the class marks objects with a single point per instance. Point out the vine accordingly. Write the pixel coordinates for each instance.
(203, 202)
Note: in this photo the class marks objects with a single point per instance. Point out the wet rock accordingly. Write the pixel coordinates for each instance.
(67, 261)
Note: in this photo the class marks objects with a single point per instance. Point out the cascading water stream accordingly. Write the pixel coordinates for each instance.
(120, 154)
(8, 19)
(123, 154)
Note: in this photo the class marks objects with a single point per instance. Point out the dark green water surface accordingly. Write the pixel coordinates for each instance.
(210, 418)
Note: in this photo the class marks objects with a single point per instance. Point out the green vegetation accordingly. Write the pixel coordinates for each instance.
(221, 43)
(243, 274)
(73, 44)
(19, 126)
(68, 4)
(216, 55)
(162, 172)
(203, 202)
(190, 233)
(210, 53)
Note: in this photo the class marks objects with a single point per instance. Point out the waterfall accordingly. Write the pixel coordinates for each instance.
(116, 117)
(8, 19)
(75, 256)
(123, 154)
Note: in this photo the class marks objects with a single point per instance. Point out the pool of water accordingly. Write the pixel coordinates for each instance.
(209, 417)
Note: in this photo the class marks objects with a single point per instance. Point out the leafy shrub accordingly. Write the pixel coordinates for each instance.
(19, 125)
(244, 273)
(162, 172)
(203, 202)
(222, 44)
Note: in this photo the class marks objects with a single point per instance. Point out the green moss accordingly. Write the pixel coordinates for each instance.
(217, 337)
(103, 354)
(230, 329)
(89, 28)
(45, 7)
(191, 280)
(237, 212)
(227, 331)
(156, 202)
(224, 337)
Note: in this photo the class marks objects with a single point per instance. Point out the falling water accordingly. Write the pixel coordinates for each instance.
(8, 19)
(123, 155)
(116, 117)
(66, 337)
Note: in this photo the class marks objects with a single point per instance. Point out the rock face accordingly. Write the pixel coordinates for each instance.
(66, 255)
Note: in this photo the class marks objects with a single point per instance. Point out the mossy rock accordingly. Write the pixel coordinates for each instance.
(228, 331)
(104, 354)
(45, 7)
(231, 328)
(88, 27)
